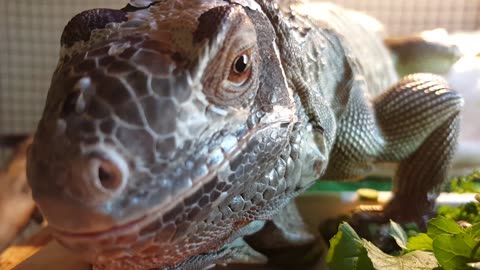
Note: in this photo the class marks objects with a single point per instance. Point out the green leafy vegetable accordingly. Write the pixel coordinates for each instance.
(453, 251)
(442, 225)
(347, 251)
(466, 184)
(415, 260)
(420, 242)
(399, 235)
(469, 212)
(446, 245)
(474, 231)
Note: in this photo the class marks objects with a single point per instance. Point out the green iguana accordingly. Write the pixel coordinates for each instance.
(173, 129)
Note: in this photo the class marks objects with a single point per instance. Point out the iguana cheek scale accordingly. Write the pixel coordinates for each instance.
(157, 148)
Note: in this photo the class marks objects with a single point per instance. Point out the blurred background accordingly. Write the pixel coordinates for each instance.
(30, 32)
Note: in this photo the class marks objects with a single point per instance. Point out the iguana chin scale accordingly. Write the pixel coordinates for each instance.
(174, 129)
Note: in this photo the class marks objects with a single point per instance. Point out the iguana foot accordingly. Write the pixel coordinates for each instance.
(373, 224)
(400, 210)
(408, 210)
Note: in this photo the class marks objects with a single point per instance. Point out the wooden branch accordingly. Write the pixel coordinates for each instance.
(16, 204)
(17, 254)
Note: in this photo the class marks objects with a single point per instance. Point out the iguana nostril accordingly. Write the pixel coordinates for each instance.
(109, 176)
(98, 177)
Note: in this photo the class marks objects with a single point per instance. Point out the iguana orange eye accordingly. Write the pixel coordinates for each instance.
(241, 68)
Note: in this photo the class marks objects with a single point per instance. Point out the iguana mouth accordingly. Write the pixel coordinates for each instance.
(147, 223)
(115, 230)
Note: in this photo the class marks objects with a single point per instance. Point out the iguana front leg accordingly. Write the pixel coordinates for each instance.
(414, 123)
(419, 118)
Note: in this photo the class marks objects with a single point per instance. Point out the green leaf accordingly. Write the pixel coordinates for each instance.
(469, 212)
(474, 231)
(347, 252)
(416, 260)
(466, 183)
(420, 242)
(398, 234)
(442, 225)
(453, 251)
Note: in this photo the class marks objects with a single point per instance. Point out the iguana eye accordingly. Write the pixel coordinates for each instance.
(241, 68)
(241, 63)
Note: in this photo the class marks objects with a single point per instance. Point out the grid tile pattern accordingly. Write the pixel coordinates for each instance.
(29, 41)
(411, 16)
(30, 32)
(29, 44)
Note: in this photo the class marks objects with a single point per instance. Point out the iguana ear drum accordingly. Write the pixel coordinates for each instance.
(81, 26)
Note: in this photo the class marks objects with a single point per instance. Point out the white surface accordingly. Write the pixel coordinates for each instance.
(465, 78)
(317, 207)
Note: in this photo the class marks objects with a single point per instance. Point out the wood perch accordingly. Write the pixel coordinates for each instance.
(16, 204)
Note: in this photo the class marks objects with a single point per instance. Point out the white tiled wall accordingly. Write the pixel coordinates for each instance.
(29, 45)
(30, 32)
(409, 16)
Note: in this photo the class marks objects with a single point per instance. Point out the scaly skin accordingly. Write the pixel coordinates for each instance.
(173, 130)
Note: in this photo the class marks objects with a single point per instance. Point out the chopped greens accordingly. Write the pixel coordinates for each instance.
(399, 235)
(347, 251)
(445, 245)
(452, 240)
(466, 184)
(420, 242)
(468, 212)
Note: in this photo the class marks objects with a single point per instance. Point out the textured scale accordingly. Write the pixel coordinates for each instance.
(148, 155)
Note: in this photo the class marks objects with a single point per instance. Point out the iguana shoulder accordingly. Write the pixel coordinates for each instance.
(328, 37)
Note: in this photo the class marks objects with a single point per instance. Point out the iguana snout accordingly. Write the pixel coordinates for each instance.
(78, 194)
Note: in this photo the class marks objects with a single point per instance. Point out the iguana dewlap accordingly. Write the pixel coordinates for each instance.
(173, 129)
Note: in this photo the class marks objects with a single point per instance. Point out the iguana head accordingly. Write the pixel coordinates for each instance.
(158, 123)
